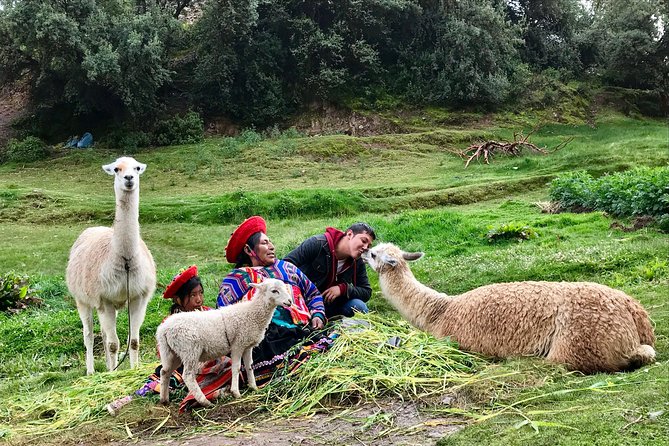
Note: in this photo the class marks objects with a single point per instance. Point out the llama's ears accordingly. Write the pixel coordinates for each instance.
(142, 168)
(412, 255)
(109, 168)
(255, 285)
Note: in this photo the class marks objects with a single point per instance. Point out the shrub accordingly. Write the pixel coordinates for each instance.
(188, 129)
(511, 231)
(127, 140)
(27, 150)
(641, 191)
(16, 293)
(573, 190)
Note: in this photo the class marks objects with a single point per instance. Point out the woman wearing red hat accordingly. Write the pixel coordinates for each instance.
(252, 253)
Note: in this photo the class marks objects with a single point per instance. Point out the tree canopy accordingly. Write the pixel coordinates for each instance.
(257, 61)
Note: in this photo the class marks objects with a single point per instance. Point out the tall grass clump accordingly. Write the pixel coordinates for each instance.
(640, 191)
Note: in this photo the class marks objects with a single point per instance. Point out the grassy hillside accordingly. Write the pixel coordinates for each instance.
(415, 191)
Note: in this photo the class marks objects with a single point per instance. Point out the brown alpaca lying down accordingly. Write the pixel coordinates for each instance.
(586, 326)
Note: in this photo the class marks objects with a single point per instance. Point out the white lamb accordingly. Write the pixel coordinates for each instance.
(587, 326)
(194, 337)
(103, 260)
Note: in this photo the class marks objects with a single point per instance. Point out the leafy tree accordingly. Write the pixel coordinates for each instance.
(630, 48)
(550, 31)
(261, 60)
(89, 56)
(173, 7)
(463, 52)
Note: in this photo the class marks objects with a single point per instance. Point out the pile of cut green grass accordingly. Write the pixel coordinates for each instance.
(360, 366)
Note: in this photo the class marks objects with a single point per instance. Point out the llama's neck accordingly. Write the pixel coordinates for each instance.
(417, 303)
(126, 237)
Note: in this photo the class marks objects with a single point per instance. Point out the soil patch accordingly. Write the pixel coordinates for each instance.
(13, 102)
(387, 422)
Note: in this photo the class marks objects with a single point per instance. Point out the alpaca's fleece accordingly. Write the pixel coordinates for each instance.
(587, 326)
(194, 337)
(96, 271)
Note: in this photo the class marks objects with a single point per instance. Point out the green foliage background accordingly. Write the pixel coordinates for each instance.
(98, 63)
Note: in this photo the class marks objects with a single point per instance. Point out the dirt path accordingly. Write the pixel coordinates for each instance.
(391, 422)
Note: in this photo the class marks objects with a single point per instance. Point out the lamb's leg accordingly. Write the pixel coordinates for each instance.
(190, 373)
(107, 316)
(86, 316)
(236, 357)
(170, 362)
(248, 362)
(137, 311)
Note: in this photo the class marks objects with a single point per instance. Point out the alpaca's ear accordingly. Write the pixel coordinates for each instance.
(109, 168)
(255, 285)
(142, 168)
(388, 260)
(412, 255)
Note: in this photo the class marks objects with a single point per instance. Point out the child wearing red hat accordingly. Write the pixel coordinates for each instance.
(186, 291)
(187, 294)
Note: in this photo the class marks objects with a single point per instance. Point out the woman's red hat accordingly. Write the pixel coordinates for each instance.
(240, 235)
(179, 280)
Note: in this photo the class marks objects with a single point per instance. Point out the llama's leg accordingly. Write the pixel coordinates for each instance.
(236, 356)
(248, 362)
(107, 316)
(189, 375)
(86, 316)
(137, 311)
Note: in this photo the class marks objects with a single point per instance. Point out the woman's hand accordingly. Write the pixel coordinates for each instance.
(316, 323)
(331, 294)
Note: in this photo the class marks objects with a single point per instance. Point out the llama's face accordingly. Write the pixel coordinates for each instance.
(279, 292)
(387, 255)
(126, 173)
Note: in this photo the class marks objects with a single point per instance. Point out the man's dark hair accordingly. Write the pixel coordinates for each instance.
(243, 259)
(360, 228)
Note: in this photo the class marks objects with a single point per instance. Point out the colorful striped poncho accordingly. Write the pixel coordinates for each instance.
(308, 300)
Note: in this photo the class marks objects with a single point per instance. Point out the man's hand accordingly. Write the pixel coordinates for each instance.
(331, 294)
(316, 323)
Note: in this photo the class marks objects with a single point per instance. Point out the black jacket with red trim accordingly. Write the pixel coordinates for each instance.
(315, 260)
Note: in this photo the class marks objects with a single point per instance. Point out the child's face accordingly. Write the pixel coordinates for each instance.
(193, 301)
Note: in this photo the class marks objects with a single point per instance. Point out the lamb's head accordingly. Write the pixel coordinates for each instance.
(276, 291)
(126, 171)
(386, 257)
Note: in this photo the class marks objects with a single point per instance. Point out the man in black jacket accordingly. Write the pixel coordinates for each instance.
(332, 262)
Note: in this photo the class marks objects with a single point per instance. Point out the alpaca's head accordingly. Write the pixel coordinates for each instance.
(275, 291)
(126, 171)
(386, 257)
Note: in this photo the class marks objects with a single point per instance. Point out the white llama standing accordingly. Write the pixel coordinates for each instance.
(103, 260)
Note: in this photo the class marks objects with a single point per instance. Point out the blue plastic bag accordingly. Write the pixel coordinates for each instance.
(85, 141)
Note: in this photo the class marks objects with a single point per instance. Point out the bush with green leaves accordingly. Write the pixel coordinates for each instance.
(126, 139)
(186, 129)
(16, 293)
(641, 191)
(27, 150)
(511, 231)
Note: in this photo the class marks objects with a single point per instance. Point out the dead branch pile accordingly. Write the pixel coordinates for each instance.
(520, 143)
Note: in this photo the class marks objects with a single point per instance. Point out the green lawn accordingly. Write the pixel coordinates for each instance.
(416, 193)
